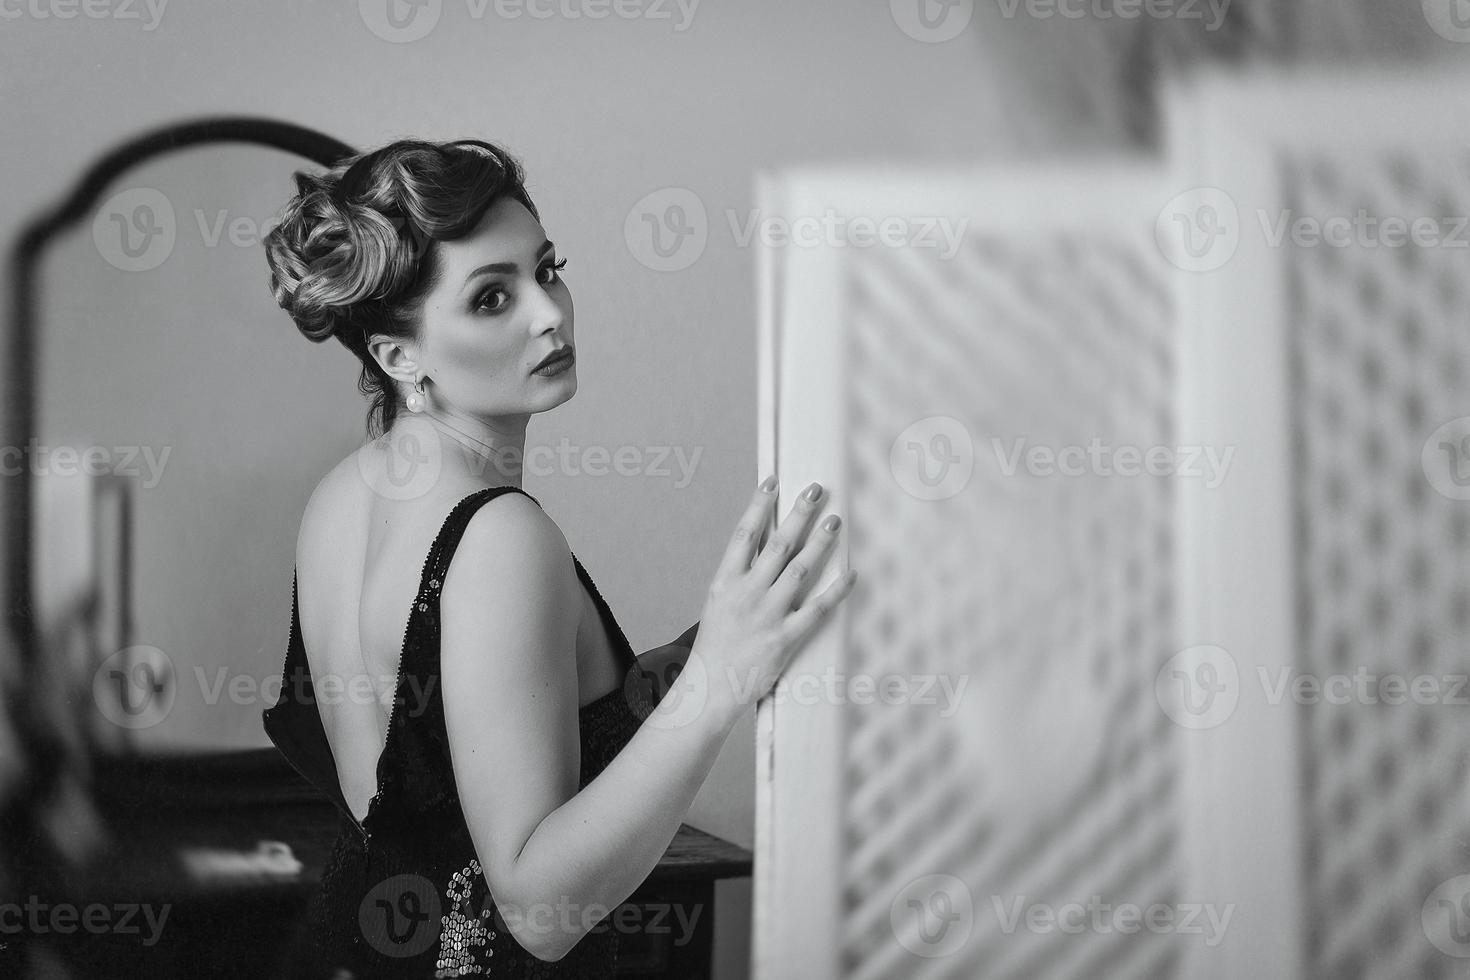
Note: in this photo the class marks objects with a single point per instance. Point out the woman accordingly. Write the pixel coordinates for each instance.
(500, 791)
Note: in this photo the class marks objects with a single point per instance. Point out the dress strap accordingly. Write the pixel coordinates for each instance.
(419, 662)
(405, 769)
(436, 565)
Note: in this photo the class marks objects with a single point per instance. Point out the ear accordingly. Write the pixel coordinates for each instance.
(398, 356)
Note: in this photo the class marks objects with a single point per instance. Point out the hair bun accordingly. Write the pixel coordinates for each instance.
(352, 255)
(310, 253)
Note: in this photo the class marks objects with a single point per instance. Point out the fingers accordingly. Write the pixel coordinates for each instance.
(787, 540)
(803, 571)
(800, 624)
(747, 532)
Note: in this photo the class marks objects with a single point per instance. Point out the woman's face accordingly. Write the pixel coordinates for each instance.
(500, 306)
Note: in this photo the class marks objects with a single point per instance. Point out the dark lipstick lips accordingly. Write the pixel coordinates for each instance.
(555, 355)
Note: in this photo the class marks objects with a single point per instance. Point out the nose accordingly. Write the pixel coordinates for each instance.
(546, 313)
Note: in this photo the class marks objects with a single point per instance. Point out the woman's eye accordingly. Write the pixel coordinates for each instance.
(549, 274)
(492, 300)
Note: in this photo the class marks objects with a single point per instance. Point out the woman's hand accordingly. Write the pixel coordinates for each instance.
(758, 614)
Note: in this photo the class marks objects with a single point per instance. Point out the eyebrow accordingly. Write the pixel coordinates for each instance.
(546, 246)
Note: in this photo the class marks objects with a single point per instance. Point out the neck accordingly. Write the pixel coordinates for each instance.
(489, 450)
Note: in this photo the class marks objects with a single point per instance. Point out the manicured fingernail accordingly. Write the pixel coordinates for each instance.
(813, 492)
(769, 484)
(832, 523)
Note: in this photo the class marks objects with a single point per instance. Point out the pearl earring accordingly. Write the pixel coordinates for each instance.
(415, 400)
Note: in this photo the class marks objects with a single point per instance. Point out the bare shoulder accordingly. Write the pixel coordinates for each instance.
(335, 512)
(511, 547)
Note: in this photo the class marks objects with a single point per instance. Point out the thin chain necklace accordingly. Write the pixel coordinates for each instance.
(483, 449)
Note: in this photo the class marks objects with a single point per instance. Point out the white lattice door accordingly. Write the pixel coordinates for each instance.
(1159, 482)
(1016, 606)
(1326, 336)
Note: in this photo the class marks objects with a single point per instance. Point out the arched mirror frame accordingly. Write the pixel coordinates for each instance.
(43, 753)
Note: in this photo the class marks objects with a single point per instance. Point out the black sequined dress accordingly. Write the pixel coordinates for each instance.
(402, 894)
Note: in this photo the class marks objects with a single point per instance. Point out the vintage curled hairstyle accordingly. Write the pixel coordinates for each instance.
(356, 251)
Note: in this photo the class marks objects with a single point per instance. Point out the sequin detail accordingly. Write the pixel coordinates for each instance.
(464, 934)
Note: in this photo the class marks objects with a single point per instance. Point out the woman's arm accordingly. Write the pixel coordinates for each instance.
(556, 860)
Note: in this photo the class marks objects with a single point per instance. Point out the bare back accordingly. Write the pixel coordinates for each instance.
(359, 557)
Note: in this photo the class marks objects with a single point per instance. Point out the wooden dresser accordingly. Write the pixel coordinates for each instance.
(160, 808)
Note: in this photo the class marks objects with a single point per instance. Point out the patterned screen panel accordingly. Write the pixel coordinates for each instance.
(1069, 604)
(995, 401)
(1380, 370)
